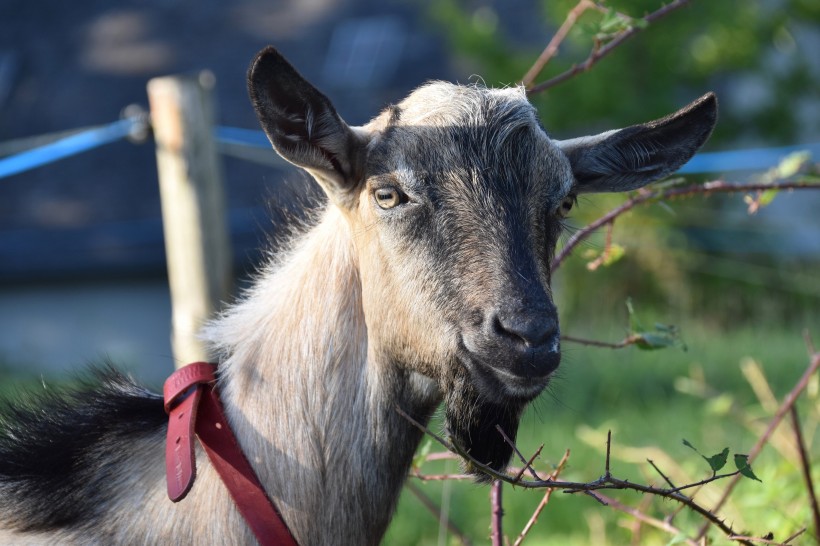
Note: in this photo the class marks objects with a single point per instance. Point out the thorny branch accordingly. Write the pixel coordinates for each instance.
(559, 36)
(607, 481)
(497, 535)
(758, 540)
(544, 500)
(598, 51)
(805, 466)
(650, 196)
(663, 525)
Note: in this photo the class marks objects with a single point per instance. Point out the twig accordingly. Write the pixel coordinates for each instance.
(433, 509)
(718, 186)
(645, 518)
(606, 482)
(544, 500)
(527, 464)
(760, 540)
(788, 402)
(805, 466)
(626, 342)
(664, 476)
(427, 431)
(600, 260)
(795, 535)
(497, 536)
(599, 53)
(809, 342)
(559, 36)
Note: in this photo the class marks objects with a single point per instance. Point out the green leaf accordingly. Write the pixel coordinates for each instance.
(677, 539)
(767, 197)
(742, 464)
(615, 253)
(792, 163)
(614, 22)
(649, 341)
(718, 461)
(640, 23)
(665, 335)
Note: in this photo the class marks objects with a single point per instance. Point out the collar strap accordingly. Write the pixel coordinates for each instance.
(193, 408)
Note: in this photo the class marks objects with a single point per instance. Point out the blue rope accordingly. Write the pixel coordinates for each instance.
(66, 147)
(757, 159)
(704, 162)
(242, 137)
(707, 162)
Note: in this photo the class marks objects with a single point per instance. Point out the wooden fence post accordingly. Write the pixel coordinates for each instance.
(197, 244)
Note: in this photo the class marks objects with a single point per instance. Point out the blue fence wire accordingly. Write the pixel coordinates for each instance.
(758, 159)
(67, 147)
(706, 162)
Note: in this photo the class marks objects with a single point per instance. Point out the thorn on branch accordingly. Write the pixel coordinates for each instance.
(497, 513)
(527, 464)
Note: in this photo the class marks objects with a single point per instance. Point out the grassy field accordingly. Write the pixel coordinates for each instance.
(651, 401)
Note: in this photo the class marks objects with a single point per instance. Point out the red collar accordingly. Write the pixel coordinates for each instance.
(193, 407)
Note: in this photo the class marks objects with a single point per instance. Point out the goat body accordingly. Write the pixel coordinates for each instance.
(425, 279)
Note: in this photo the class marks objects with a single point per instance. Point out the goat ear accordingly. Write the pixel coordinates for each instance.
(303, 126)
(626, 159)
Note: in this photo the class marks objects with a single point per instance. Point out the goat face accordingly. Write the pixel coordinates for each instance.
(455, 198)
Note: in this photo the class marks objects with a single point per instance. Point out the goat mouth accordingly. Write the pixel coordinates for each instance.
(501, 384)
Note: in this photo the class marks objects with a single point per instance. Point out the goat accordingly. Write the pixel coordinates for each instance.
(424, 279)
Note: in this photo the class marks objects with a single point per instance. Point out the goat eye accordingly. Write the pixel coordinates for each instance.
(565, 206)
(388, 197)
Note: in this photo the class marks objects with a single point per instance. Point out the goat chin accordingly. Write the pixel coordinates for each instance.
(472, 419)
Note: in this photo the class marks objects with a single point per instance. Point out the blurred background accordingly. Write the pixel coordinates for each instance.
(82, 265)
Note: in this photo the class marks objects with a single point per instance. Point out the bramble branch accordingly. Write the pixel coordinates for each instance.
(805, 467)
(598, 52)
(559, 36)
(650, 196)
(640, 516)
(544, 500)
(607, 481)
(497, 535)
(626, 342)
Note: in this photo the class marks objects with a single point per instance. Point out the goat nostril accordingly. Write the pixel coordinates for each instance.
(532, 330)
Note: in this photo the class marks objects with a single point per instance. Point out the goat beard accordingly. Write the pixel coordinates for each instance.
(472, 420)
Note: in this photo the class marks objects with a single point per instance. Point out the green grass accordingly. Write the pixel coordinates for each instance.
(646, 399)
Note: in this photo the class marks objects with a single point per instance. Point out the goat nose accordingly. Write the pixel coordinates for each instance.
(531, 329)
